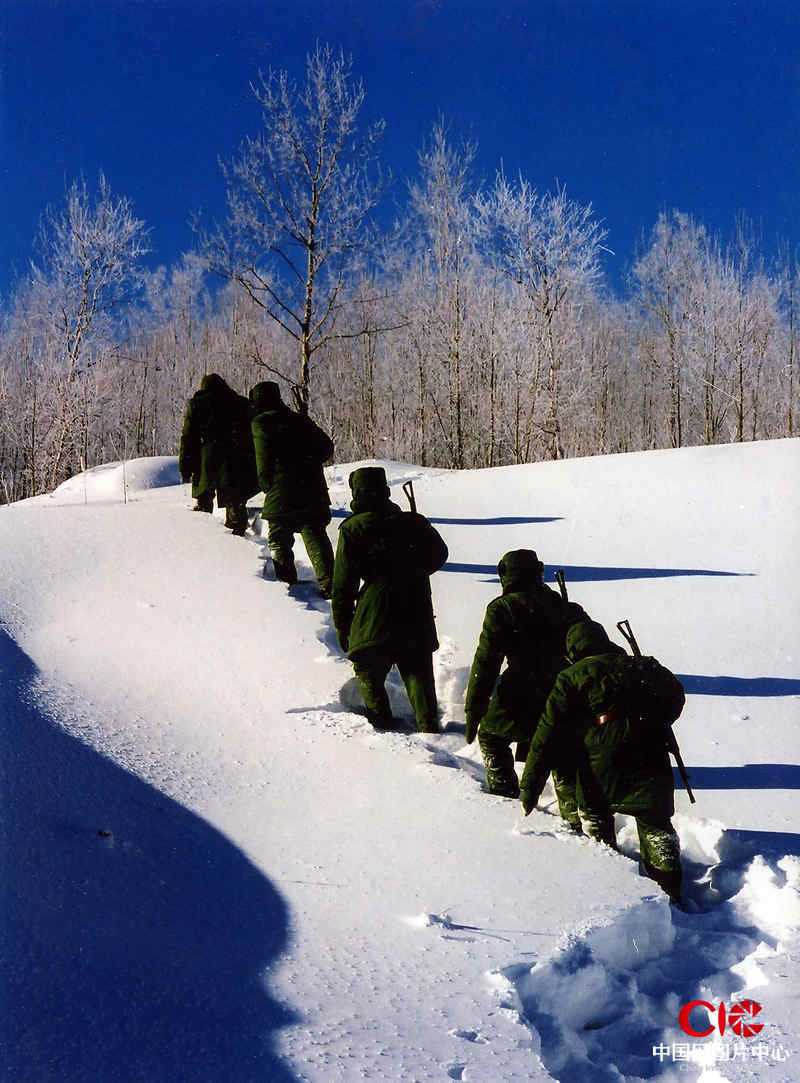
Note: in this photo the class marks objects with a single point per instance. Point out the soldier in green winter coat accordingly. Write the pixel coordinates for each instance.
(618, 756)
(382, 608)
(290, 451)
(216, 451)
(525, 627)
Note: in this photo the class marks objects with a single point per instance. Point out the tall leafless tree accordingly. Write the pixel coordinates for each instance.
(87, 268)
(549, 246)
(299, 197)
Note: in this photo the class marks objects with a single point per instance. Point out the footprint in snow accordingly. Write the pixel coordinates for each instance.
(617, 982)
(469, 1036)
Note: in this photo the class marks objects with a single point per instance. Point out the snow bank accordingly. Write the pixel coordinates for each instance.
(117, 481)
(186, 765)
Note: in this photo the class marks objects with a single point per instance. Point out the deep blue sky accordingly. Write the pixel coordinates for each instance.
(634, 105)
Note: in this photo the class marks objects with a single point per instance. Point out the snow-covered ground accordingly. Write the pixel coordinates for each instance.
(213, 869)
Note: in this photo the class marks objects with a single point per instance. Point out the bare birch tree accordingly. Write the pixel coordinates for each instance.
(663, 276)
(789, 280)
(443, 255)
(299, 196)
(87, 268)
(549, 246)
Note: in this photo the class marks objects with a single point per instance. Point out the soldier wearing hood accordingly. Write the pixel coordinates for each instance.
(381, 604)
(216, 451)
(618, 756)
(524, 627)
(290, 451)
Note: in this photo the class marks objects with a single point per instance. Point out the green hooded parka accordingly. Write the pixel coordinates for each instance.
(525, 627)
(290, 450)
(384, 557)
(621, 761)
(216, 446)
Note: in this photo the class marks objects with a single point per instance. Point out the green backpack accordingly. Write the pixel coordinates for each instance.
(639, 689)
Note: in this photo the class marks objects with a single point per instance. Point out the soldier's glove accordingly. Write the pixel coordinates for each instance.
(472, 729)
(344, 639)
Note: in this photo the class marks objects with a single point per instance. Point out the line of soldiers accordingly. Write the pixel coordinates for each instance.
(233, 447)
(557, 699)
(563, 699)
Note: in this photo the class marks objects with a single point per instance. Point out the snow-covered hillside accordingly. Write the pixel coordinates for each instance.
(214, 870)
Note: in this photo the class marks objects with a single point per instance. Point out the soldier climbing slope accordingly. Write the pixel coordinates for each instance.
(290, 451)
(601, 724)
(382, 608)
(525, 627)
(216, 451)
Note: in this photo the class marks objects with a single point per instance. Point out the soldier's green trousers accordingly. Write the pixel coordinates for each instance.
(501, 778)
(372, 665)
(659, 847)
(564, 786)
(280, 538)
(498, 760)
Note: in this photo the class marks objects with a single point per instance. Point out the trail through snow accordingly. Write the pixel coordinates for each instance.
(220, 872)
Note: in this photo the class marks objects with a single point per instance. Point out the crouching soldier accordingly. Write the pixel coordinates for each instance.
(593, 725)
(216, 451)
(381, 604)
(525, 627)
(290, 451)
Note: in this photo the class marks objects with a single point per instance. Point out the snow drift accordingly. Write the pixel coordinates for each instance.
(215, 869)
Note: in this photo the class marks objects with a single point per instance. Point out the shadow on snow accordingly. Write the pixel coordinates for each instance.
(582, 573)
(134, 935)
(750, 776)
(500, 520)
(697, 685)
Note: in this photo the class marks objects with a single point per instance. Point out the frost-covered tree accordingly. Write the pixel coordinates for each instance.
(713, 332)
(788, 275)
(87, 267)
(663, 278)
(438, 289)
(299, 197)
(549, 246)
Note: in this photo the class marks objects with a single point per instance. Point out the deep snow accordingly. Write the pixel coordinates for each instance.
(215, 870)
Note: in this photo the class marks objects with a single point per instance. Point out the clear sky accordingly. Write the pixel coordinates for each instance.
(634, 105)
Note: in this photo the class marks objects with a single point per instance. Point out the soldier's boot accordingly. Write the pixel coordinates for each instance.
(600, 827)
(236, 519)
(669, 880)
(660, 851)
(379, 720)
(285, 571)
(204, 502)
(501, 778)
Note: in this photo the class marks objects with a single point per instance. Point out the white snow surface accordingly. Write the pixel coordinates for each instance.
(215, 870)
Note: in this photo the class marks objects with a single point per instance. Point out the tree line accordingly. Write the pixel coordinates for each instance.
(478, 331)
